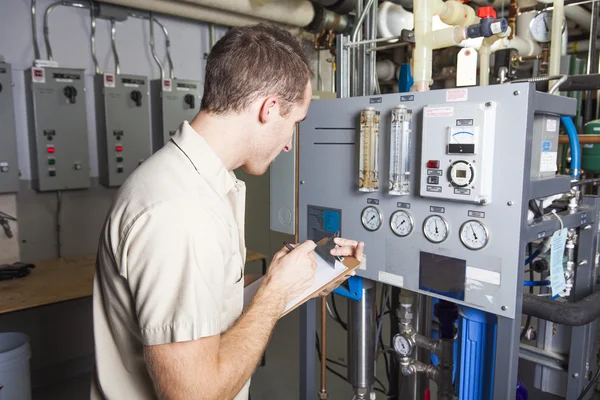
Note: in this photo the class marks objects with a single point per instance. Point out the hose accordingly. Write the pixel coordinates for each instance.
(536, 283)
(574, 144)
(532, 257)
(579, 313)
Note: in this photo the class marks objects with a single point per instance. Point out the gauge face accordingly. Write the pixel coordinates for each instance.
(541, 27)
(435, 229)
(401, 223)
(474, 235)
(371, 218)
(402, 346)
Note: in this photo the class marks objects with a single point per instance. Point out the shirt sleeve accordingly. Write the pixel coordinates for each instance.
(173, 260)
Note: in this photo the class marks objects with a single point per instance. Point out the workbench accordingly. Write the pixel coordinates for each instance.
(64, 279)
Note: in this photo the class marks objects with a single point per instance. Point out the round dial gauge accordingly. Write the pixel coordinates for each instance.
(402, 345)
(371, 218)
(474, 235)
(401, 223)
(435, 229)
(541, 26)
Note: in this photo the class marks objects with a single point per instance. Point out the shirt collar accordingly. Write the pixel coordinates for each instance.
(205, 161)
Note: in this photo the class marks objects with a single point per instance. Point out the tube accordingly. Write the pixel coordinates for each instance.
(484, 56)
(536, 283)
(579, 16)
(556, 37)
(113, 41)
(36, 47)
(454, 12)
(579, 313)
(423, 11)
(574, 144)
(323, 391)
(93, 40)
(49, 10)
(448, 37)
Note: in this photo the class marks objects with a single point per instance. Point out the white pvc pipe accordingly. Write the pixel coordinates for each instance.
(422, 55)
(556, 37)
(454, 12)
(289, 12)
(386, 70)
(392, 19)
(580, 16)
(484, 56)
(448, 37)
(581, 46)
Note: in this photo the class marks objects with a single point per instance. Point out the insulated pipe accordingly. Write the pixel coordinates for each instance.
(579, 313)
(49, 10)
(291, 12)
(484, 56)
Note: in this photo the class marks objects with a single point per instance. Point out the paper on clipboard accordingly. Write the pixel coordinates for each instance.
(324, 275)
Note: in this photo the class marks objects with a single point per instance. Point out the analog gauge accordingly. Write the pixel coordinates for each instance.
(435, 229)
(371, 218)
(541, 26)
(401, 223)
(474, 235)
(402, 345)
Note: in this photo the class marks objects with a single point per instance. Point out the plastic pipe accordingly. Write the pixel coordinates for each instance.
(291, 12)
(448, 37)
(536, 283)
(484, 56)
(556, 37)
(574, 144)
(454, 12)
(392, 19)
(581, 46)
(423, 11)
(580, 16)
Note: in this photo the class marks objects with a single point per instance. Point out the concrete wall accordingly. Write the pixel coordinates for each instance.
(61, 335)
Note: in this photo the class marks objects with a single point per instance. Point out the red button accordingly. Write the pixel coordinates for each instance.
(50, 150)
(119, 148)
(433, 164)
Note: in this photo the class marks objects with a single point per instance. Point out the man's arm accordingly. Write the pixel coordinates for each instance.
(218, 366)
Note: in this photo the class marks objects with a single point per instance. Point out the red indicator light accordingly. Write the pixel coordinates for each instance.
(50, 150)
(119, 148)
(433, 164)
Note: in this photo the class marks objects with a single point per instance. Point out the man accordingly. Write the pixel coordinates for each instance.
(168, 291)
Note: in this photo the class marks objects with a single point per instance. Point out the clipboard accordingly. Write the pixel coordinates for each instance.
(324, 276)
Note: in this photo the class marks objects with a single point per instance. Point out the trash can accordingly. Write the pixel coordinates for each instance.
(15, 381)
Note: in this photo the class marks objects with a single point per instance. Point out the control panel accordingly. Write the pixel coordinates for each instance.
(123, 125)
(9, 170)
(58, 139)
(461, 242)
(458, 151)
(173, 101)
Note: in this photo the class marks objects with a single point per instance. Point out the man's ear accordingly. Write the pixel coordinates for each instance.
(269, 107)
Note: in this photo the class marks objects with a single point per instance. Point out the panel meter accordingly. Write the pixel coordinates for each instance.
(123, 125)
(436, 229)
(9, 171)
(400, 149)
(401, 223)
(173, 101)
(458, 152)
(371, 218)
(58, 140)
(368, 170)
(474, 235)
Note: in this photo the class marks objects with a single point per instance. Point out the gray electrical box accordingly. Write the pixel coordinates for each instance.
(173, 101)
(9, 171)
(58, 139)
(123, 125)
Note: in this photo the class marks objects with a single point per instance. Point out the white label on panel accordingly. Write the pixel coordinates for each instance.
(392, 279)
(548, 161)
(551, 125)
(38, 75)
(457, 95)
(109, 80)
(439, 112)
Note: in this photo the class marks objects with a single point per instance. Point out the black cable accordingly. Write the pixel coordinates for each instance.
(381, 384)
(337, 314)
(528, 320)
(589, 385)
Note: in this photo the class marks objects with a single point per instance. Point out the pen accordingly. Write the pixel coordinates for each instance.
(289, 246)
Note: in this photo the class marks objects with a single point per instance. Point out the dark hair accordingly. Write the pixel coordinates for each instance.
(253, 61)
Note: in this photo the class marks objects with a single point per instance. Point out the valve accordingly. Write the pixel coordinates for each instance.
(70, 93)
(136, 96)
(488, 25)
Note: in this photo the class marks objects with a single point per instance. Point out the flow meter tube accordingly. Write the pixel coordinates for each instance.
(368, 171)
(400, 151)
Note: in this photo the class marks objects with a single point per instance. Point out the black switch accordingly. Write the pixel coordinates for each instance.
(71, 94)
(119, 159)
(433, 180)
(119, 170)
(136, 96)
(52, 173)
(190, 100)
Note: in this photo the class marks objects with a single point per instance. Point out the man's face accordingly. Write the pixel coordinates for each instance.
(277, 136)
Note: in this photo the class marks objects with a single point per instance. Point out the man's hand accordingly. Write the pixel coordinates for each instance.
(346, 248)
(292, 272)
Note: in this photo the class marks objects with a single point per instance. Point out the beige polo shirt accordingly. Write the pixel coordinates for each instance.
(170, 264)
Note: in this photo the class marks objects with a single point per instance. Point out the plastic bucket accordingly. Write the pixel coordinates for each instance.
(14, 366)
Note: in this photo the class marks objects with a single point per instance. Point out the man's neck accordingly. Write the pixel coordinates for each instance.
(222, 133)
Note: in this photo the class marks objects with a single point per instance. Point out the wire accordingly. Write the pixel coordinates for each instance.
(589, 385)
(337, 314)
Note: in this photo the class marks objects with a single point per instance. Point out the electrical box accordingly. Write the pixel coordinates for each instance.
(544, 148)
(458, 151)
(9, 171)
(123, 125)
(173, 101)
(58, 140)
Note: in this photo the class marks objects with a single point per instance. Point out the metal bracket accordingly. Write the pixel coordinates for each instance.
(351, 289)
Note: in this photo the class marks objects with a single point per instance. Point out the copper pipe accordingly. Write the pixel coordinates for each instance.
(323, 391)
(513, 11)
(583, 139)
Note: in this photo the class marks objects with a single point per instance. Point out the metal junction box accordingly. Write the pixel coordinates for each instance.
(9, 171)
(173, 101)
(123, 125)
(58, 138)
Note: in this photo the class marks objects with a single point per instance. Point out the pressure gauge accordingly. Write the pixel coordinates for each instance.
(435, 229)
(474, 235)
(541, 27)
(402, 345)
(371, 218)
(401, 223)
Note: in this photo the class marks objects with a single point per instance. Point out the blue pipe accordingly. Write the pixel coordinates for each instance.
(536, 283)
(574, 143)
(532, 257)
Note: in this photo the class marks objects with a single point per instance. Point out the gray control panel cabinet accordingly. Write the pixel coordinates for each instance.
(9, 170)
(58, 139)
(433, 258)
(173, 101)
(123, 125)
